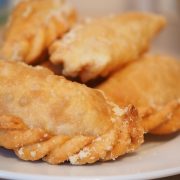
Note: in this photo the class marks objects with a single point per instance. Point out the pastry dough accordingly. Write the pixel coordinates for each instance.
(46, 116)
(33, 26)
(152, 85)
(99, 46)
(56, 69)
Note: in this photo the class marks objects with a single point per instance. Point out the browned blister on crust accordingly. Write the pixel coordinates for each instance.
(64, 121)
(100, 46)
(33, 26)
(151, 84)
(11, 123)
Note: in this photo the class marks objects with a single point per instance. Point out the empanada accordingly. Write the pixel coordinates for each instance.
(46, 116)
(152, 84)
(33, 26)
(99, 46)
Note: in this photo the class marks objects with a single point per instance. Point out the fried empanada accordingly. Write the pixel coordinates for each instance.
(152, 84)
(33, 26)
(46, 116)
(99, 46)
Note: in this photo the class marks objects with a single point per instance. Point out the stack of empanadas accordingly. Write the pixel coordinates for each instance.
(45, 116)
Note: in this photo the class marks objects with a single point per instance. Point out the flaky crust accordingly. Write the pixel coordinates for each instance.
(46, 116)
(99, 46)
(33, 26)
(152, 85)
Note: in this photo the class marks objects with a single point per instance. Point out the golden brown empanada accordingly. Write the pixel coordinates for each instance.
(99, 46)
(33, 26)
(152, 85)
(46, 116)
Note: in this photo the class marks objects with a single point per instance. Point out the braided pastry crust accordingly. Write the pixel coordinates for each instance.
(47, 117)
(98, 47)
(151, 84)
(33, 26)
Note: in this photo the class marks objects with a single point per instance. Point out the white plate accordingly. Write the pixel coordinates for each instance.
(158, 157)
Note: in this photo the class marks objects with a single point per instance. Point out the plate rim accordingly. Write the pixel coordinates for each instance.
(146, 175)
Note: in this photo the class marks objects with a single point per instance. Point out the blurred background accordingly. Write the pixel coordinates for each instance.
(168, 42)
